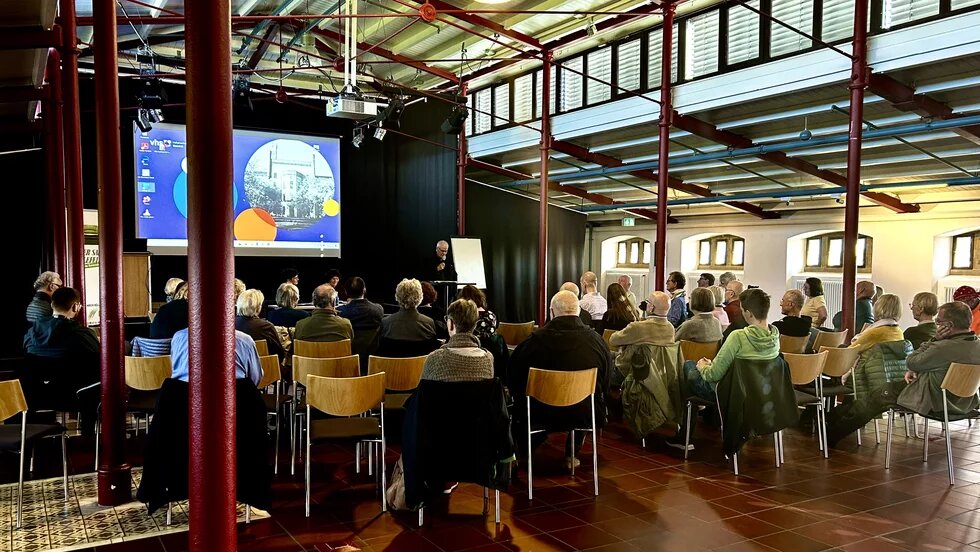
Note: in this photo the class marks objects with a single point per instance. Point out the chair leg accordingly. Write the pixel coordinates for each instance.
(905, 418)
(925, 440)
(735, 462)
(859, 434)
(888, 439)
(530, 455)
(20, 473)
(370, 458)
(496, 506)
(877, 436)
(775, 446)
(98, 431)
(357, 457)
(826, 445)
(308, 462)
(915, 425)
(421, 516)
(64, 463)
(170, 511)
(573, 453)
(643, 442)
(248, 514)
(949, 439)
(782, 449)
(486, 500)
(687, 430)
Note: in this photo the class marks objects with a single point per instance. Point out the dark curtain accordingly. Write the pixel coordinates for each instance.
(28, 243)
(507, 224)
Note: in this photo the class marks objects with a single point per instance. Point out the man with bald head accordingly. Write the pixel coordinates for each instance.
(863, 307)
(793, 324)
(582, 314)
(626, 281)
(655, 329)
(592, 301)
(442, 268)
(564, 344)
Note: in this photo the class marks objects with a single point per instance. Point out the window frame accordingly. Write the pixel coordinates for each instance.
(712, 242)
(974, 270)
(640, 243)
(824, 264)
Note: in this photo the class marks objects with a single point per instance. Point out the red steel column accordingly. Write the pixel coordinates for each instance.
(461, 161)
(666, 110)
(73, 150)
(114, 480)
(55, 158)
(543, 196)
(859, 81)
(211, 268)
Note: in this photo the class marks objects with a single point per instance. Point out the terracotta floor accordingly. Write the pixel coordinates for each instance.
(650, 500)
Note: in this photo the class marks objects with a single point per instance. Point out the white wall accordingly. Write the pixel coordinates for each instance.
(910, 252)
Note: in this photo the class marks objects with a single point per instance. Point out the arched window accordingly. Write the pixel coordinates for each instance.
(721, 252)
(826, 252)
(633, 253)
(965, 259)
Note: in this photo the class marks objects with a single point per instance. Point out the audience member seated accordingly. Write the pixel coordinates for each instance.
(733, 290)
(706, 280)
(793, 323)
(287, 315)
(863, 312)
(40, 305)
(626, 281)
(815, 305)
(718, 293)
(758, 340)
(407, 324)
(563, 344)
(247, 364)
(703, 327)
(920, 390)
(324, 324)
(334, 278)
(583, 314)
(924, 307)
(430, 308)
(170, 288)
(289, 276)
(971, 298)
(592, 301)
(247, 320)
(172, 316)
(653, 330)
(619, 313)
(887, 310)
(365, 317)
(486, 325)
(678, 303)
(724, 279)
(60, 337)
(239, 288)
(461, 358)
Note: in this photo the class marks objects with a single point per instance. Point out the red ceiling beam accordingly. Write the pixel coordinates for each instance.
(709, 131)
(673, 182)
(903, 98)
(377, 50)
(598, 199)
(18, 39)
(481, 21)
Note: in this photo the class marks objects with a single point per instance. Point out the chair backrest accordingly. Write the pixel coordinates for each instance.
(606, 334)
(560, 388)
(144, 346)
(514, 334)
(271, 373)
(403, 374)
(693, 350)
(791, 344)
(343, 367)
(345, 396)
(804, 369)
(322, 349)
(262, 346)
(12, 399)
(962, 380)
(829, 339)
(147, 373)
(839, 360)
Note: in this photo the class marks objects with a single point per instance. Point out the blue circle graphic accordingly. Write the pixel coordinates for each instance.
(180, 194)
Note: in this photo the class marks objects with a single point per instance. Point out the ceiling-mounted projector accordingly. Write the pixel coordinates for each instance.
(347, 107)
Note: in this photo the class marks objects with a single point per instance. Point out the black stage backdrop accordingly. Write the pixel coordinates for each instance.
(507, 224)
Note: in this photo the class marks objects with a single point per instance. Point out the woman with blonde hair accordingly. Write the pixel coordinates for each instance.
(887, 310)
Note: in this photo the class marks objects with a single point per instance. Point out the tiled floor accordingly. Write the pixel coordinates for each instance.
(650, 500)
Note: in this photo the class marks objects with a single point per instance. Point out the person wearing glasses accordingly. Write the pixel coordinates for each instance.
(924, 307)
(40, 305)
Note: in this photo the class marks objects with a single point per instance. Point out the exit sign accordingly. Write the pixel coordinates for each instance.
(629, 221)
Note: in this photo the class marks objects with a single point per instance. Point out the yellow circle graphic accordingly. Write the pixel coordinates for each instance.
(331, 208)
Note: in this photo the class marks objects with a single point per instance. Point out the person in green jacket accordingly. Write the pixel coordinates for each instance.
(757, 341)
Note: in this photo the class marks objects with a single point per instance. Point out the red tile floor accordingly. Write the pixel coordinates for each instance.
(649, 500)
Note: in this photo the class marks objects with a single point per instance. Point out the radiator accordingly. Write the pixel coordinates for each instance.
(947, 287)
(832, 292)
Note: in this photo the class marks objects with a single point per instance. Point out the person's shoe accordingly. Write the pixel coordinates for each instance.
(679, 445)
(572, 462)
(450, 487)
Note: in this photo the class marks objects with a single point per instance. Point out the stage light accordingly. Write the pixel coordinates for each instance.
(152, 94)
(457, 118)
(242, 92)
(391, 113)
(143, 120)
(155, 115)
(358, 137)
(379, 133)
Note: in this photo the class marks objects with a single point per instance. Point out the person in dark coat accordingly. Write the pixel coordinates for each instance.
(565, 344)
(408, 324)
(172, 316)
(247, 320)
(793, 323)
(362, 313)
(40, 305)
(287, 297)
(441, 267)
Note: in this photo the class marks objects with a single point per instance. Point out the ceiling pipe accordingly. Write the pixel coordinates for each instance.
(889, 132)
(781, 194)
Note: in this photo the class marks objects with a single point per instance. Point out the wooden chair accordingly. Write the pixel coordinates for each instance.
(695, 351)
(341, 367)
(262, 347)
(829, 339)
(514, 334)
(840, 361)
(344, 398)
(962, 380)
(322, 349)
(144, 376)
(15, 439)
(272, 376)
(561, 389)
(606, 334)
(805, 370)
(402, 375)
(791, 344)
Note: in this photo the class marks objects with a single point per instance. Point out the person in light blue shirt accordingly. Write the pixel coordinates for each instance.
(247, 364)
(678, 303)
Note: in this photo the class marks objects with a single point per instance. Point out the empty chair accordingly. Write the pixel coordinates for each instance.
(561, 389)
(962, 380)
(829, 339)
(322, 349)
(807, 370)
(514, 334)
(346, 398)
(402, 375)
(262, 347)
(790, 344)
(272, 376)
(144, 378)
(695, 351)
(341, 367)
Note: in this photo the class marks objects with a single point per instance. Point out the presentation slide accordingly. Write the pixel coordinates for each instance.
(286, 192)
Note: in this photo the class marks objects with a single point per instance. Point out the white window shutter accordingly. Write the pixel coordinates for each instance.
(655, 55)
(571, 84)
(523, 93)
(797, 14)
(628, 57)
(600, 67)
(743, 33)
(501, 104)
